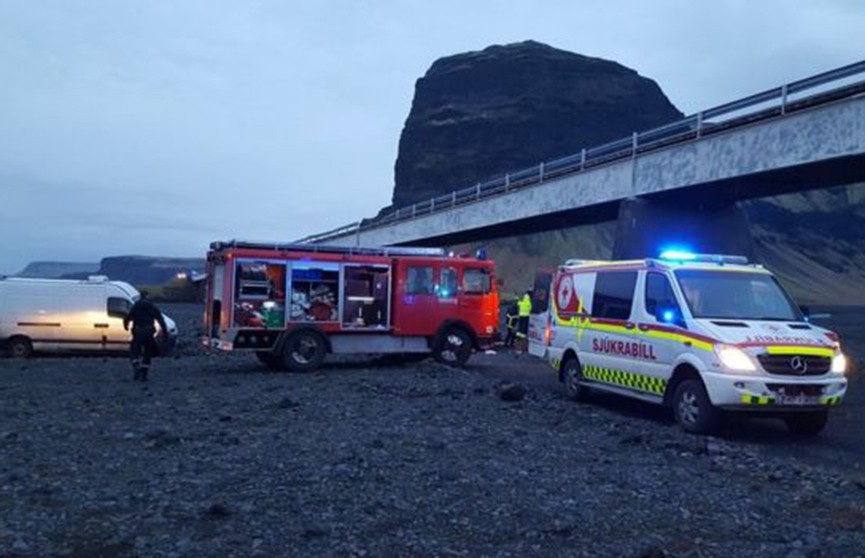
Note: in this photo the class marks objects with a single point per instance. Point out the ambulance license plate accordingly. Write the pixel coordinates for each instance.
(797, 400)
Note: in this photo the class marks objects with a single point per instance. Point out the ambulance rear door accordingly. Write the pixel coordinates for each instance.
(539, 320)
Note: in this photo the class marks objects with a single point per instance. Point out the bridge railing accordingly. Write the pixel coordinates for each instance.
(819, 89)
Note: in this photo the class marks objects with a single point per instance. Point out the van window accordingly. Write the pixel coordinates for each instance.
(118, 307)
(659, 293)
(614, 294)
(419, 280)
(540, 293)
(740, 295)
(476, 281)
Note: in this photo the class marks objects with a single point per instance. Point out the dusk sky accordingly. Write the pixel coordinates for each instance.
(154, 127)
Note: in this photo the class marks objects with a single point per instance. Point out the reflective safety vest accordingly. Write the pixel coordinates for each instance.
(525, 306)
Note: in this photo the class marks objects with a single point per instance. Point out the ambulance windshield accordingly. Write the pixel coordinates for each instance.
(736, 295)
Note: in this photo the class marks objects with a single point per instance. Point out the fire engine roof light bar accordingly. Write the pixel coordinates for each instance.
(323, 248)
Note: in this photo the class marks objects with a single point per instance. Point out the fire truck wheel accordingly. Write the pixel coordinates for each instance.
(20, 347)
(807, 424)
(272, 361)
(303, 351)
(453, 348)
(693, 410)
(572, 376)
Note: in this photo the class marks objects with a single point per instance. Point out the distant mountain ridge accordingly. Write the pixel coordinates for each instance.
(56, 270)
(137, 270)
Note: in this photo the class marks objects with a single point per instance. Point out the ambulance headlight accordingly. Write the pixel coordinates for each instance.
(735, 359)
(839, 363)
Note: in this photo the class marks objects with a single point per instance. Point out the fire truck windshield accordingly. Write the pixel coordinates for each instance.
(736, 295)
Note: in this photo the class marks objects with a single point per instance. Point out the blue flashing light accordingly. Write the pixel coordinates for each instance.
(668, 316)
(678, 255)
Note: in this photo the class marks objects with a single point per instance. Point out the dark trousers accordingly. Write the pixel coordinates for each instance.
(512, 336)
(142, 349)
(523, 327)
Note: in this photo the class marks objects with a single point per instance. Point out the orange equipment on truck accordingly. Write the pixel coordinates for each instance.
(292, 304)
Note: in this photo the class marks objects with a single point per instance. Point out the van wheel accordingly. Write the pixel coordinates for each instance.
(303, 351)
(693, 410)
(454, 347)
(20, 347)
(807, 424)
(269, 359)
(572, 377)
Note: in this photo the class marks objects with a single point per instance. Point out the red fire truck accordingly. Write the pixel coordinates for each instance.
(293, 303)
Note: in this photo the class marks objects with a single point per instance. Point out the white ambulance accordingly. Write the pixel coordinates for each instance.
(703, 334)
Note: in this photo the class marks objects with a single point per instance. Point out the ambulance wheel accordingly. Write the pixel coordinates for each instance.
(20, 347)
(693, 410)
(303, 351)
(807, 424)
(572, 377)
(269, 359)
(453, 348)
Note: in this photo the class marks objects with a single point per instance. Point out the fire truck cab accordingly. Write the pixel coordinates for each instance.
(703, 334)
(292, 304)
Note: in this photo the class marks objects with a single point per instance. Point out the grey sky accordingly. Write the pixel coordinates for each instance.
(156, 126)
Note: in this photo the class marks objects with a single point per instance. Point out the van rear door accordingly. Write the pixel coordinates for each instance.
(539, 320)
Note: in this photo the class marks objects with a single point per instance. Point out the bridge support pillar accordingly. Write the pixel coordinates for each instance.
(647, 227)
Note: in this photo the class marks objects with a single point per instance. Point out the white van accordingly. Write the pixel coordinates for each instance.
(704, 334)
(62, 315)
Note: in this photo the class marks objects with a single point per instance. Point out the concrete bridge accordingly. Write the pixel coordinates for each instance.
(803, 135)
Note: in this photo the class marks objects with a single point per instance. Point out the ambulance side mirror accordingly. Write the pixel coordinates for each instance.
(806, 312)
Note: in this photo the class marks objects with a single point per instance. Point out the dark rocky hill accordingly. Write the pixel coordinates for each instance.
(481, 114)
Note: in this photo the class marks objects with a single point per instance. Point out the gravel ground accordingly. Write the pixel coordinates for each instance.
(217, 457)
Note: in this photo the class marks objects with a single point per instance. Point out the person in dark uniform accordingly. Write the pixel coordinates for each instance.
(511, 321)
(143, 315)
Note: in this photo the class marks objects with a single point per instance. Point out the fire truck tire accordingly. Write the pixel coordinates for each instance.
(572, 378)
(807, 424)
(693, 410)
(20, 347)
(269, 359)
(303, 351)
(454, 347)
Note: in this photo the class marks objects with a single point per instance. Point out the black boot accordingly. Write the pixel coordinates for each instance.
(143, 374)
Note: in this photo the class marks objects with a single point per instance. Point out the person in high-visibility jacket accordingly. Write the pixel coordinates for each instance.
(525, 309)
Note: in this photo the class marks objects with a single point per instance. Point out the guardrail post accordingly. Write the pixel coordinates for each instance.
(699, 124)
(478, 191)
(541, 172)
(583, 159)
(432, 205)
(413, 209)
(507, 181)
(634, 141)
(454, 197)
(784, 99)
